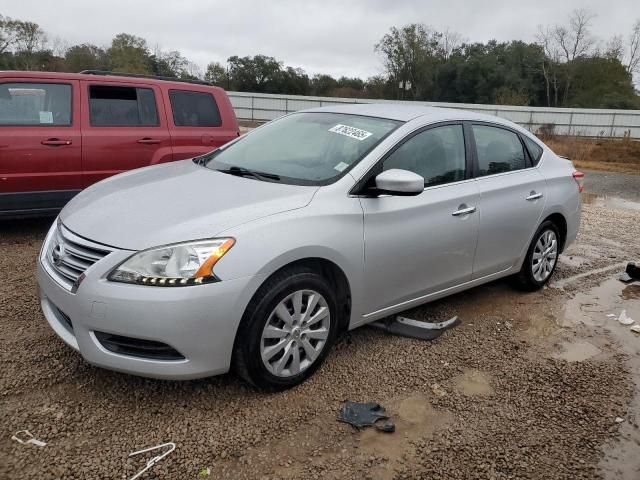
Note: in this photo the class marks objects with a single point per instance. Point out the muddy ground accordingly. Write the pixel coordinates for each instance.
(537, 385)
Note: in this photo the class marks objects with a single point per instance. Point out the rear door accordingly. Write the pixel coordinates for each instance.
(40, 144)
(124, 127)
(512, 197)
(197, 124)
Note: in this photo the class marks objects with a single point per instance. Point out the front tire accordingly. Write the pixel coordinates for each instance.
(541, 259)
(287, 330)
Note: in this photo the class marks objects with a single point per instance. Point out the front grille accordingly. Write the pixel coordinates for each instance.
(138, 347)
(68, 256)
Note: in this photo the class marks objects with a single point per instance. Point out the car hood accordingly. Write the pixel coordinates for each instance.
(174, 202)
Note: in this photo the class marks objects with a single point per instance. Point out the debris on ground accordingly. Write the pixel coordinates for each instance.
(24, 437)
(619, 419)
(438, 391)
(408, 327)
(171, 447)
(631, 273)
(204, 473)
(361, 415)
(624, 319)
(635, 329)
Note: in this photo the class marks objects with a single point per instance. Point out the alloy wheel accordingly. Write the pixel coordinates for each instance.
(295, 333)
(545, 255)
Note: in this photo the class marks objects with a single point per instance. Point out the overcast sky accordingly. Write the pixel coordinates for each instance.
(333, 36)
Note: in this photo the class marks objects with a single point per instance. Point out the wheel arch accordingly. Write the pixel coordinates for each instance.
(560, 222)
(334, 274)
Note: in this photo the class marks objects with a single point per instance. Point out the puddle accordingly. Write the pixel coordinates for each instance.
(414, 418)
(600, 308)
(541, 325)
(577, 351)
(473, 383)
(608, 298)
(608, 201)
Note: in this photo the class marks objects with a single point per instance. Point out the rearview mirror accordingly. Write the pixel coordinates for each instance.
(400, 182)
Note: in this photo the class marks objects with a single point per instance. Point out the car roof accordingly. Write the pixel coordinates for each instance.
(105, 77)
(405, 112)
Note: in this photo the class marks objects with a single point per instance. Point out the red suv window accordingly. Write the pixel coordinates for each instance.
(194, 109)
(114, 106)
(39, 104)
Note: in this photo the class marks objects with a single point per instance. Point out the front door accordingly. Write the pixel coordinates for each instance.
(422, 244)
(40, 144)
(512, 197)
(124, 127)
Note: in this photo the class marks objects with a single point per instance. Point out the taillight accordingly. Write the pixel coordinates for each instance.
(579, 178)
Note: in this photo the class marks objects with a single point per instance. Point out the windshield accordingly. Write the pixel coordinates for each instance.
(304, 148)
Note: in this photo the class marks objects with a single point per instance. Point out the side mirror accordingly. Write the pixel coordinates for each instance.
(400, 182)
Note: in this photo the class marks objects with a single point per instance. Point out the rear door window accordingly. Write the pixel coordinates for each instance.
(194, 109)
(499, 150)
(535, 150)
(116, 106)
(42, 104)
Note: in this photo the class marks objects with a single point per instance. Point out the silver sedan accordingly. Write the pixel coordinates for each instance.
(257, 255)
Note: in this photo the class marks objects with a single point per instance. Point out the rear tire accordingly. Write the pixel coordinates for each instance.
(541, 259)
(287, 330)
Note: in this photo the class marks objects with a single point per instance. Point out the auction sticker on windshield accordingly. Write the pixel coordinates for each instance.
(351, 132)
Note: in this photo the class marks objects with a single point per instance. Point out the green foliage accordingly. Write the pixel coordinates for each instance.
(130, 54)
(217, 74)
(87, 57)
(602, 83)
(254, 74)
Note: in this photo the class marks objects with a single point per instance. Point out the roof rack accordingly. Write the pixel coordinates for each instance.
(139, 75)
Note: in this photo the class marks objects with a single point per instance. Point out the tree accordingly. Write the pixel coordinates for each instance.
(29, 40)
(130, 54)
(563, 44)
(323, 85)
(86, 57)
(602, 83)
(254, 74)
(450, 42)
(217, 74)
(409, 54)
(292, 81)
(376, 87)
(633, 50)
(168, 64)
(8, 33)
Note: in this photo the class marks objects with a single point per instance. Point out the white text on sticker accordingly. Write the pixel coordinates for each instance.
(351, 132)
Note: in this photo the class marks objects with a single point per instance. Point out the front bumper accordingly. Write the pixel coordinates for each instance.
(199, 322)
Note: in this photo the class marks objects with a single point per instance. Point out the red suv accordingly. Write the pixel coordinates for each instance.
(61, 132)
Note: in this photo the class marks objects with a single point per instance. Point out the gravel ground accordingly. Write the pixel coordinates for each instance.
(513, 392)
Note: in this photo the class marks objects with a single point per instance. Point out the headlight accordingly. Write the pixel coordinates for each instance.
(178, 265)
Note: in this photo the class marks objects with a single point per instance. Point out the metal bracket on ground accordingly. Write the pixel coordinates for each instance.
(408, 327)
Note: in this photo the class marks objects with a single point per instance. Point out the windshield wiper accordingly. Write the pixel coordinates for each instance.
(245, 172)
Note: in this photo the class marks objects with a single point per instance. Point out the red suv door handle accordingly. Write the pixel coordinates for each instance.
(149, 141)
(56, 142)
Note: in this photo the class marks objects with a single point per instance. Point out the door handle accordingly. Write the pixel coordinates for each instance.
(463, 210)
(533, 196)
(149, 141)
(56, 142)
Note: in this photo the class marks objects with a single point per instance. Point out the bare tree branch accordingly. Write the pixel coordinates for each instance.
(633, 64)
